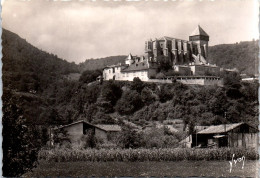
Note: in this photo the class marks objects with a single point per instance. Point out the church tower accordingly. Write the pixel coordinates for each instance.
(129, 60)
(201, 38)
(149, 49)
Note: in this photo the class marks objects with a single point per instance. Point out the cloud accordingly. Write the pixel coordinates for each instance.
(77, 30)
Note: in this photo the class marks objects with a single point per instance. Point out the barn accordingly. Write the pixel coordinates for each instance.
(226, 135)
(76, 130)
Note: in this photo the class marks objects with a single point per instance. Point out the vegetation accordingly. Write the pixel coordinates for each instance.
(100, 63)
(243, 56)
(20, 141)
(176, 154)
(89, 76)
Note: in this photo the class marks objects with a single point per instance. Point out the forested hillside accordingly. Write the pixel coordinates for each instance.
(242, 56)
(27, 68)
(94, 64)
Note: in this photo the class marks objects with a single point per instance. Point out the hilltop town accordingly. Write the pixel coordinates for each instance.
(168, 58)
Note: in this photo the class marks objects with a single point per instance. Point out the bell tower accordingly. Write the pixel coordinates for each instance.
(201, 38)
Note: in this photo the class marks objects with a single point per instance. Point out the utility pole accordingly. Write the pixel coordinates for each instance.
(225, 116)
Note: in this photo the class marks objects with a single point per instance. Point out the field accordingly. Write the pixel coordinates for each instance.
(175, 168)
(143, 155)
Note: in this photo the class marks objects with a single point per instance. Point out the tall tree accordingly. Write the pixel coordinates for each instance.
(20, 146)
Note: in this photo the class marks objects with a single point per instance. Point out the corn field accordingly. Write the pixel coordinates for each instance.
(176, 154)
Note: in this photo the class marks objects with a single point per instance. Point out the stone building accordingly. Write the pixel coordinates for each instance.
(134, 67)
(188, 58)
(178, 51)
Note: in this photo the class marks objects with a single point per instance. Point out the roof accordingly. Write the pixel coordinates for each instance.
(199, 31)
(219, 128)
(109, 128)
(76, 122)
(129, 57)
(114, 65)
(171, 38)
(200, 127)
(136, 67)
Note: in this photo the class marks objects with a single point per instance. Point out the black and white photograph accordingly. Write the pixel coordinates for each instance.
(121, 88)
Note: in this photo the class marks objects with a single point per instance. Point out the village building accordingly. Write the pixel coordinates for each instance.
(225, 135)
(76, 130)
(188, 58)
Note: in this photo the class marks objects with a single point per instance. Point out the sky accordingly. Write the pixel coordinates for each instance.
(80, 30)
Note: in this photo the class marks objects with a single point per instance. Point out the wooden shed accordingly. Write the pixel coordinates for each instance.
(76, 130)
(226, 135)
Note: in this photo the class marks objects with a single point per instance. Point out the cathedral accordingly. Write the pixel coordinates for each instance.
(188, 59)
(178, 51)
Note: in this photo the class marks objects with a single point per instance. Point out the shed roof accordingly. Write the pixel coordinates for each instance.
(76, 122)
(219, 128)
(109, 128)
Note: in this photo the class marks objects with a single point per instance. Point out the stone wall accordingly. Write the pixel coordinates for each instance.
(129, 76)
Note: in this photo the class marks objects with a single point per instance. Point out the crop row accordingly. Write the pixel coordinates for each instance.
(176, 154)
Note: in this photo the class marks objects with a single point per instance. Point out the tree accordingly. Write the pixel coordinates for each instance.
(230, 78)
(111, 92)
(130, 102)
(130, 138)
(165, 93)
(55, 118)
(89, 76)
(20, 146)
(147, 96)
(137, 85)
(102, 118)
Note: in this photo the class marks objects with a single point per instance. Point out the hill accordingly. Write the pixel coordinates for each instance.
(96, 64)
(29, 74)
(242, 56)
(239, 55)
(27, 68)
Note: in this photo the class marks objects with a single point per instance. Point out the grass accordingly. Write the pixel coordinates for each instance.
(128, 155)
(134, 169)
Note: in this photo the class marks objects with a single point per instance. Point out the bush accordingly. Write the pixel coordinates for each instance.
(130, 102)
(137, 85)
(111, 92)
(89, 76)
(147, 96)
